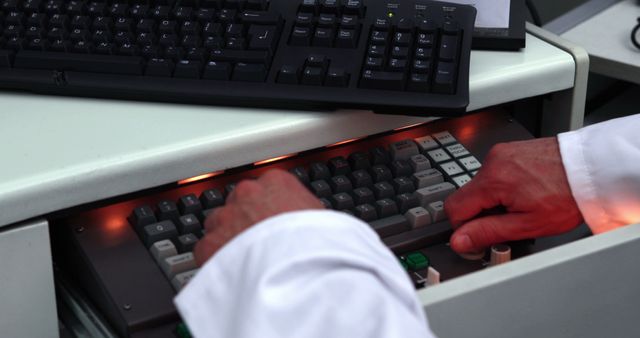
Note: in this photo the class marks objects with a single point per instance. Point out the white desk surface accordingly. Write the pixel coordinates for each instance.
(607, 38)
(59, 152)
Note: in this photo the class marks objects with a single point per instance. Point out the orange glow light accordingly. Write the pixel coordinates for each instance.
(199, 177)
(269, 160)
(344, 142)
(410, 126)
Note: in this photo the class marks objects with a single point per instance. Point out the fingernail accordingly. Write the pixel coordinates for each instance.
(462, 243)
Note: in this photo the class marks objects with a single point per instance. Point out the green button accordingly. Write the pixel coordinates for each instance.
(182, 331)
(417, 261)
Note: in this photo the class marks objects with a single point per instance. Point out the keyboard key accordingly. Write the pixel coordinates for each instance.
(249, 72)
(214, 70)
(470, 163)
(300, 36)
(380, 172)
(359, 160)
(319, 171)
(174, 265)
(312, 76)
(444, 138)
(327, 204)
(448, 47)
(436, 209)
(323, 37)
(159, 67)
(167, 210)
(461, 180)
(418, 82)
(288, 74)
(132, 65)
(340, 183)
(211, 198)
(379, 155)
(366, 212)
(339, 166)
(457, 150)
(321, 188)
(426, 178)
(417, 261)
(403, 185)
(401, 168)
(386, 207)
(419, 163)
(346, 38)
(363, 195)
(407, 201)
(180, 280)
(186, 242)
(438, 155)
(158, 231)
(342, 201)
(142, 216)
(189, 204)
(382, 80)
(444, 81)
(361, 178)
(188, 224)
(451, 168)
(403, 150)
(336, 77)
(418, 217)
(163, 249)
(301, 174)
(389, 226)
(426, 143)
(434, 193)
(383, 190)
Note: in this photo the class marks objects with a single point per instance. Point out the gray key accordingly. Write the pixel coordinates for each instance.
(438, 155)
(444, 138)
(366, 212)
(342, 201)
(158, 231)
(434, 193)
(474, 173)
(403, 150)
(461, 180)
(386, 207)
(390, 225)
(470, 163)
(383, 190)
(418, 217)
(426, 143)
(419, 163)
(427, 177)
(451, 168)
(321, 188)
(163, 249)
(186, 242)
(436, 209)
(179, 263)
(181, 279)
(457, 150)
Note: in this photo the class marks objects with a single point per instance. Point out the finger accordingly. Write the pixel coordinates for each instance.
(470, 200)
(481, 233)
(244, 189)
(204, 249)
(212, 219)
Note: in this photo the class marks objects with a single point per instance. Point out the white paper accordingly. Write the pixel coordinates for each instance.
(491, 13)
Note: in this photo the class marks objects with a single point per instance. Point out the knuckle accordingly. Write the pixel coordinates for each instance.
(246, 188)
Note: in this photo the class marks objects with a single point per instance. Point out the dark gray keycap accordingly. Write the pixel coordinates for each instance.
(321, 188)
(288, 74)
(359, 160)
(366, 212)
(407, 201)
(211, 198)
(382, 80)
(379, 155)
(215, 70)
(312, 76)
(383, 190)
(336, 77)
(401, 168)
(403, 185)
(319, 171)
(327, 204)
(363, 195)
(448, 47)
(132, 65)
(339, 166)
(419, 163)
(386, 207)
(340, 183)
(186, 242)
(189, 204)
(142, 216)
(167, 210)
(249, 72)
(158, 231)
(361, 178)
(243, 56)
(188, 224)
(389, 226)
(301, 174)
(444, 80)
(380, 172)
(342, 201)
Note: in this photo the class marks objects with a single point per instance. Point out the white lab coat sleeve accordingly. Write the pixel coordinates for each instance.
(314, 273)
(602, 163)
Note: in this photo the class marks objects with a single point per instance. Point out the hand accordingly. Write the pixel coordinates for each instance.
(250, 202)
(527, 179)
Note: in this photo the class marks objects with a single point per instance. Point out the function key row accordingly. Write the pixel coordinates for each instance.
(337, 7)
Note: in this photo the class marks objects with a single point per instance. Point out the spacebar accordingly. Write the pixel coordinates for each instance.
(113, 64)
(419, 238)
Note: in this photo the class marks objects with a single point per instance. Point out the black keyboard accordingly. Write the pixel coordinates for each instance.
(403, 56)
(136, 249)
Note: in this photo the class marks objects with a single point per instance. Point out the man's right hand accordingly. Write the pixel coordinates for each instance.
(528, 180)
